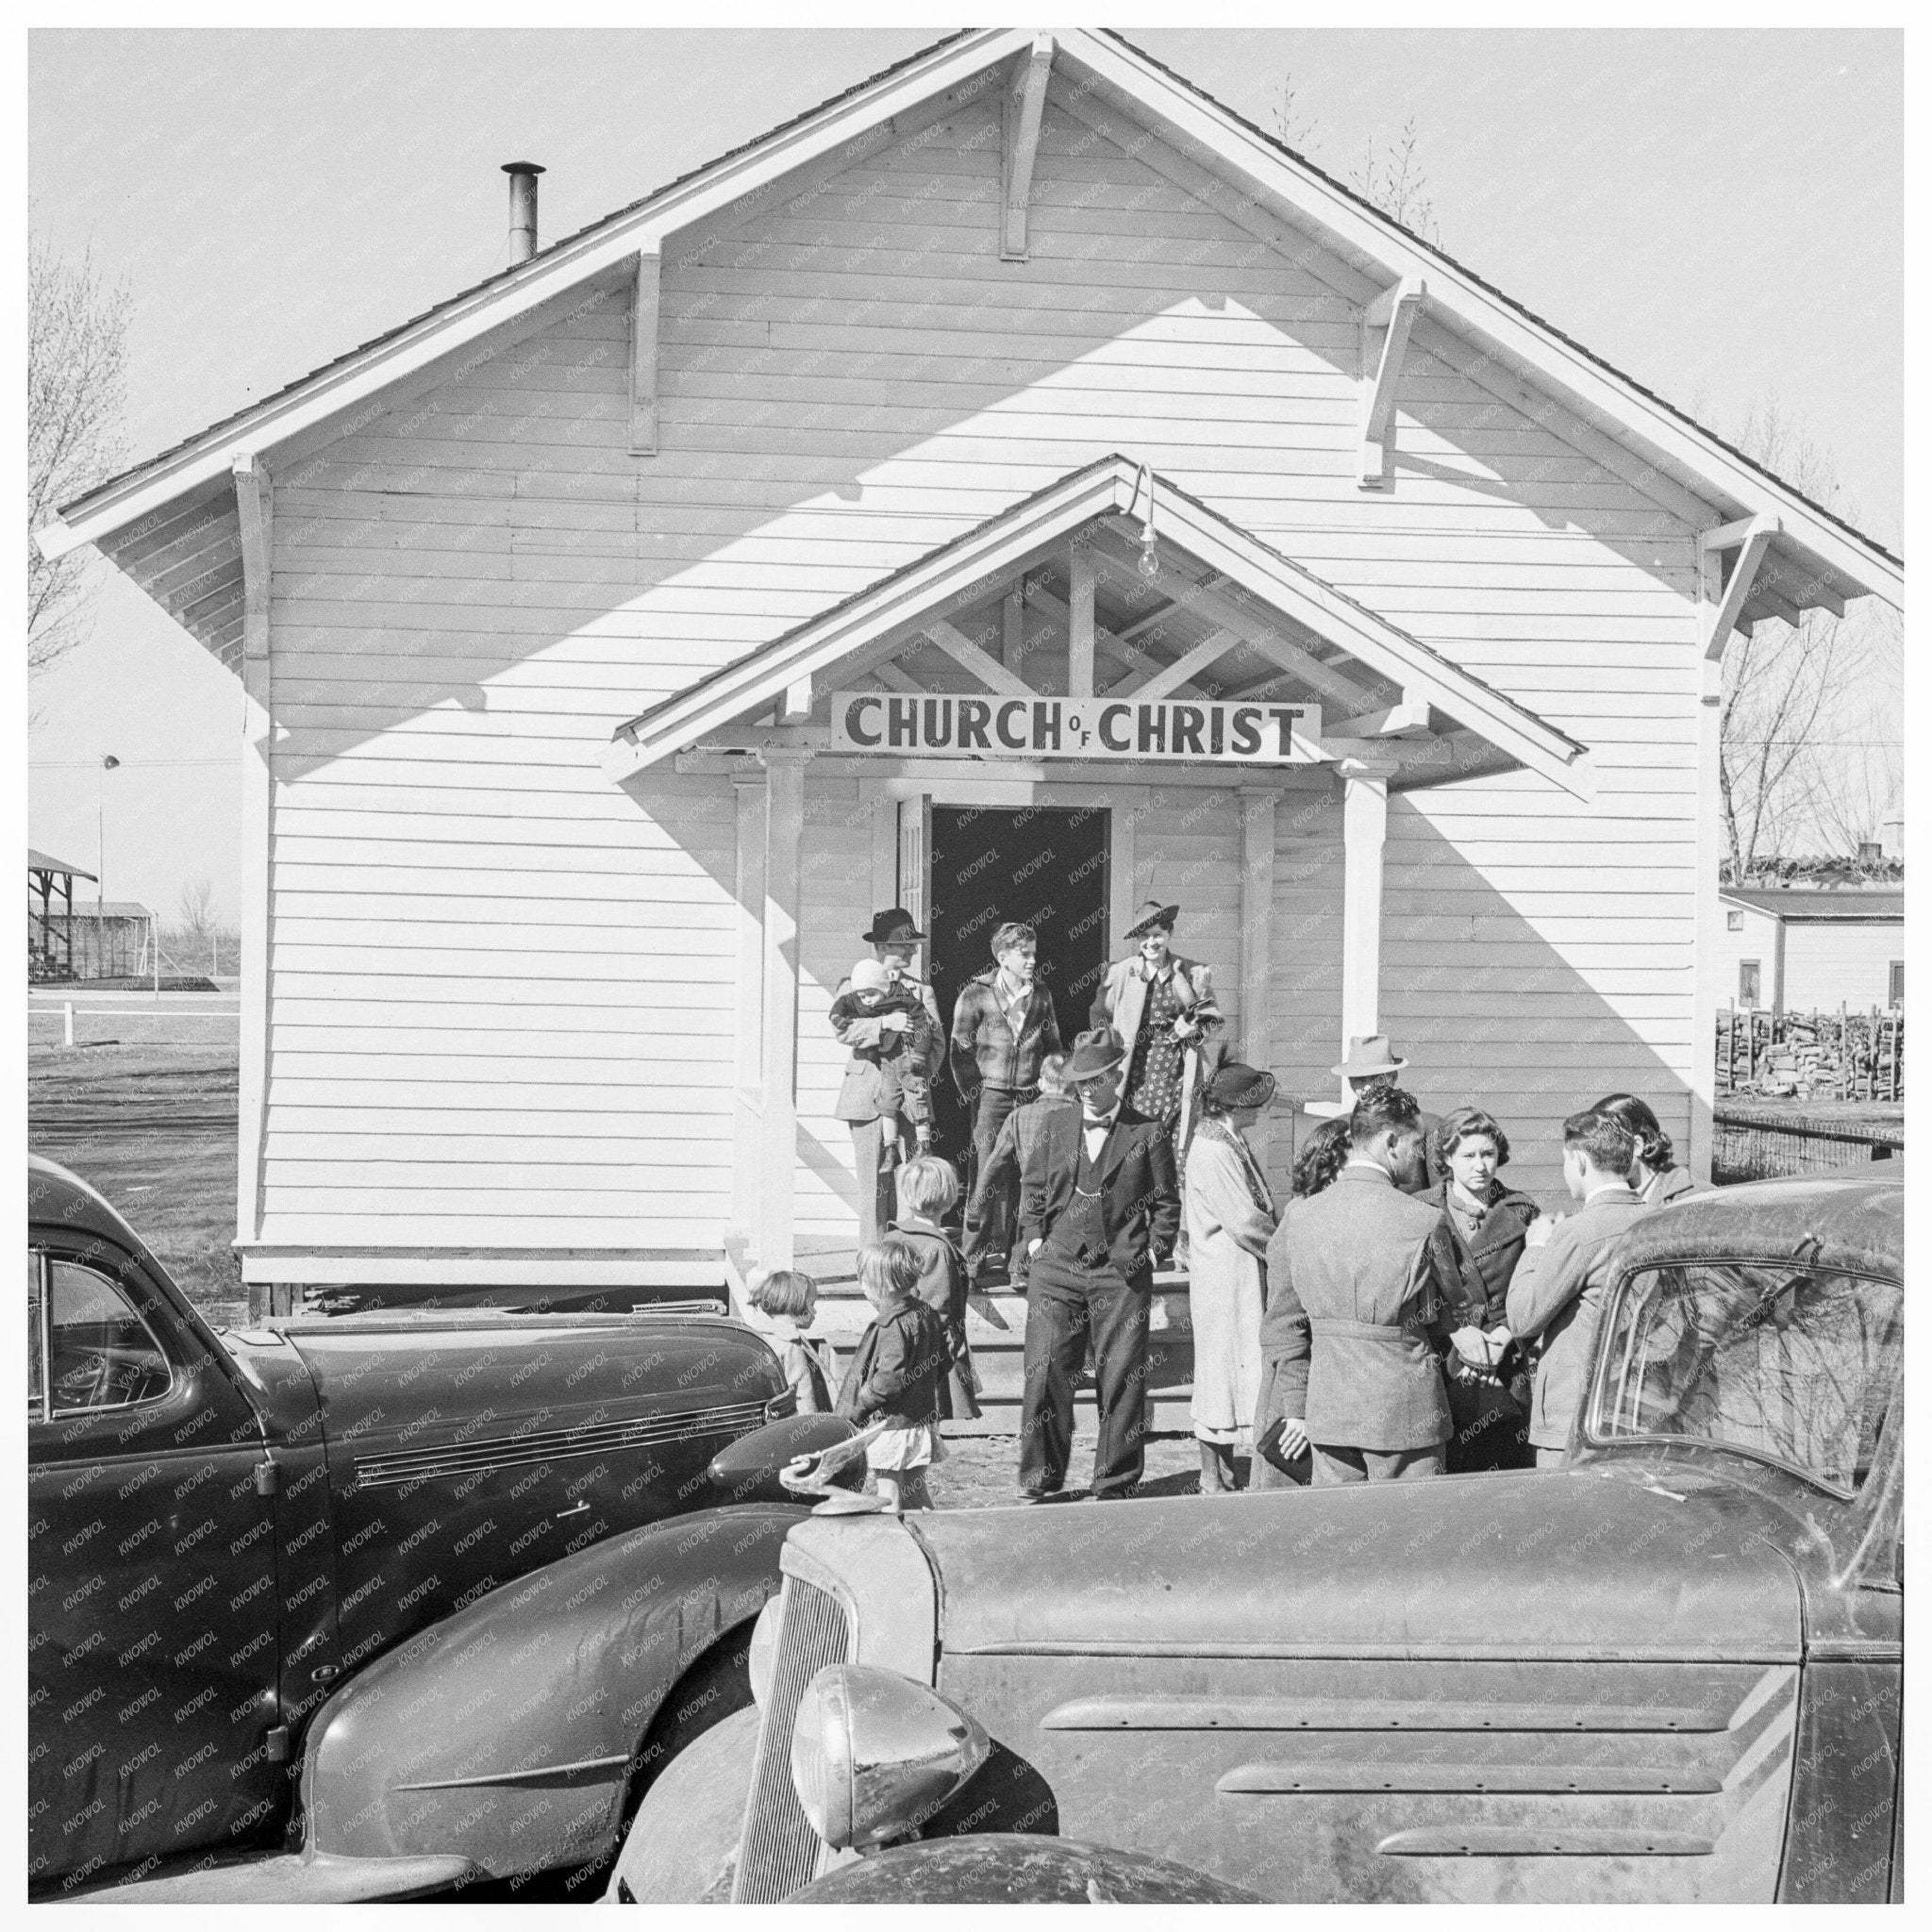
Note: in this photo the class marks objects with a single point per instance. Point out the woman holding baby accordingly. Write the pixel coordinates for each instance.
(889, 1023)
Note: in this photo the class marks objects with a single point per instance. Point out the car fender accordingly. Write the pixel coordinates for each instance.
(1017, 1868)
(507, 1732)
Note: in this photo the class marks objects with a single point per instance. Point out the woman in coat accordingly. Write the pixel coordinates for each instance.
(1474, 1251)
(1654, 1177)
(1162, 1007)
(1230, 1215)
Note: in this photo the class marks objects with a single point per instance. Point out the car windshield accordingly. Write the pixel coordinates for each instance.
(1787, 1362)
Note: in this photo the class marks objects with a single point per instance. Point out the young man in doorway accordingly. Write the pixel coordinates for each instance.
(1100, 1211)
(1003, 1026)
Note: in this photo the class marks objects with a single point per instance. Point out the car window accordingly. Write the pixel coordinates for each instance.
(1787, 1362)
(36, 1375)
(100, 1352)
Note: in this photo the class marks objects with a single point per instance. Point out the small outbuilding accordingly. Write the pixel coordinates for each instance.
(1813, 949)
(1016, 488)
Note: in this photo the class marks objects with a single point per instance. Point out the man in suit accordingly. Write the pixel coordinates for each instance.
(1024, 1126)
(1351, 1338)
(1559, 1288)
(1099, 1210)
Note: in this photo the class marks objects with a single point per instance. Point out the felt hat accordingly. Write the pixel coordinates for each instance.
(891, 927)
(1368, 1057)
(1153, 913)
(1094, 1053)
(1233, 1084)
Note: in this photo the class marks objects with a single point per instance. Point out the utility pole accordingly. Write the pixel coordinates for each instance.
(108, 763)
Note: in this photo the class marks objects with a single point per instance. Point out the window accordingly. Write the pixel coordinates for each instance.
(1785, 1363)
(1895, 983)
(1734, 922)
(1747, 982)
(100, 1352)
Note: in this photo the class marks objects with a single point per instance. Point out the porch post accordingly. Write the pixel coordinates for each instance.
(747, 1083)
(1258, 917)
(1364, 828)
(784, 826)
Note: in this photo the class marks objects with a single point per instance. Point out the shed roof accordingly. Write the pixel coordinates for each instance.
(1803, 905)
(1823, 557)
(41, 862)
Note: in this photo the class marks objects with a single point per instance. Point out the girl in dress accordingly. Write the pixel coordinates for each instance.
(897, 1375)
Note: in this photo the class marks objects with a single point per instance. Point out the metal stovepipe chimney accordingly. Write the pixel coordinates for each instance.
(523, 209)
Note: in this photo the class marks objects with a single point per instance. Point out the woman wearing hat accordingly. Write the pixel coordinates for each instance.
(1230, 1215)
(1162, 1006)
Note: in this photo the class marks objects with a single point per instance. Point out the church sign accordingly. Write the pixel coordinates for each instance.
(888, 723)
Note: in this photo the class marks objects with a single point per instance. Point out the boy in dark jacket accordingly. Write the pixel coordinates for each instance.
(897, 1375)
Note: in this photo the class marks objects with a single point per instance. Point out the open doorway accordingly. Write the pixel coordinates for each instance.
(1046, 865)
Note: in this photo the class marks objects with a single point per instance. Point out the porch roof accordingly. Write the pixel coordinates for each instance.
(867, 628)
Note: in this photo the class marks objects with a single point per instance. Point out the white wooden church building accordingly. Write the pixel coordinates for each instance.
(1018, 485)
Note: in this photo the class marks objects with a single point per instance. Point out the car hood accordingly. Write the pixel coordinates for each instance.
(1595, 1561)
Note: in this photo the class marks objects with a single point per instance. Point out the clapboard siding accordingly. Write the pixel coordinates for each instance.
(504, 988)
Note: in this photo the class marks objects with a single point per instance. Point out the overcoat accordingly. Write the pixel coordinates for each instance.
(1227, 1238)
(1558, 1295)
(1122, 999)
(899, 1370)
(1349, 1269)
(1140, 1199)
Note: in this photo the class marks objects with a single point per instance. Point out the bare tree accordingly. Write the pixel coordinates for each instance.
(197, 913)
(76, 391)
(1855, 790)
(1390, 173)
(1392, 176)
(1779, 745)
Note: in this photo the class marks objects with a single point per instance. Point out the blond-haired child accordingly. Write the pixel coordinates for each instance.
(928, 1188)
(897, 1375)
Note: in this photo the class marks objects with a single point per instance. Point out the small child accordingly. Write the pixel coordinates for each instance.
(790, 1300)
(929, 1188)
(901, 1046)
(897, 1375)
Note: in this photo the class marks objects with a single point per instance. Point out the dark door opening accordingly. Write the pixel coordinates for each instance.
(1046, 865)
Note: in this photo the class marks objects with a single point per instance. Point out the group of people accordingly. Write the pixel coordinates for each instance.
(1406, 1313)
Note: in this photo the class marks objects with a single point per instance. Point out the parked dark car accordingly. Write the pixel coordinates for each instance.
(395, 1596)
(1669, 1669)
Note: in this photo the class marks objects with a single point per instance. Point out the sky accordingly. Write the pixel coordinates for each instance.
(1718, 213)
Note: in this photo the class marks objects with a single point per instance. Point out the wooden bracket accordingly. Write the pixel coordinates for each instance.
(1394, 311)
(1024, 104)
(1409, 719)
(795, 706)
(1184, 670)
(254, 508)
(1751, 538)
(1080, 623)
(643, 355)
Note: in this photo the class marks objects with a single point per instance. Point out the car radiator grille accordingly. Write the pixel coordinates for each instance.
(386, 1469)
(778, 1850)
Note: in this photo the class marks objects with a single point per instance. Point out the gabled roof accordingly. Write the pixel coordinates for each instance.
(1004, 541)
(39, 861)
(1822, 553)
(1819, 906)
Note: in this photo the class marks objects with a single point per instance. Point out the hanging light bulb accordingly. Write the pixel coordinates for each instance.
(1148, 563)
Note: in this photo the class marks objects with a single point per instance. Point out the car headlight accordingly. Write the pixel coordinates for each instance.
(874, 1754)
(763, 1651)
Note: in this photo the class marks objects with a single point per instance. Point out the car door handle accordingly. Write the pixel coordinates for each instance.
(575, 1510)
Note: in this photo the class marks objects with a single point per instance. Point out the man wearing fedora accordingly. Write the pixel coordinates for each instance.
(894, 939)
(1373, 1062)
(1099, 1210)
(1003, 1024)
(1162, 1007)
